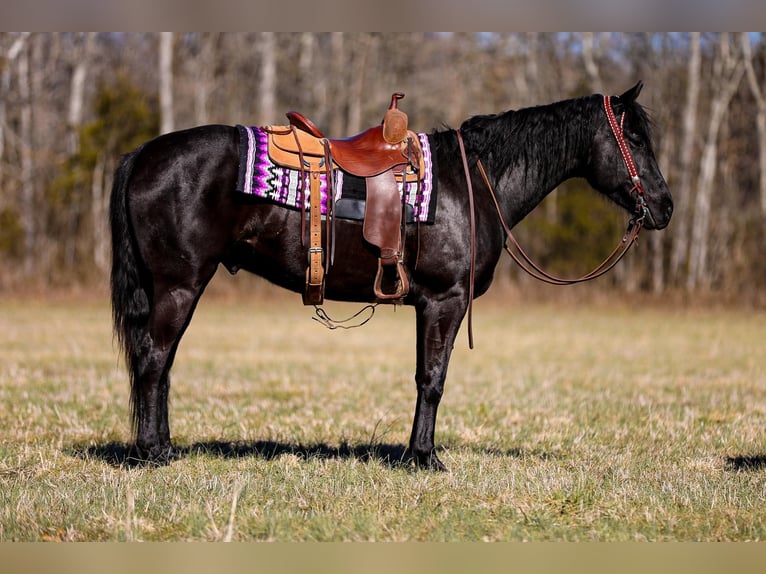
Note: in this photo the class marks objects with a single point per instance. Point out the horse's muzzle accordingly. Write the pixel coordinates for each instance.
(658, 217)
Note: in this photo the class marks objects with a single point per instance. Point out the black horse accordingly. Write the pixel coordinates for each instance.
(175, 217)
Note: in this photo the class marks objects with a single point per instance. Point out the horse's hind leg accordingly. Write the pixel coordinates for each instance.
(171, 311)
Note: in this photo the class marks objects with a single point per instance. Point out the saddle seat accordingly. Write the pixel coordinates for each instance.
(366, 154)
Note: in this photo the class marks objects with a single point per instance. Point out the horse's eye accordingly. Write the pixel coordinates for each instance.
(636, 140)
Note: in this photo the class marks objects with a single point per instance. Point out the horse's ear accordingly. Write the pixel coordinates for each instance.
(632, 94)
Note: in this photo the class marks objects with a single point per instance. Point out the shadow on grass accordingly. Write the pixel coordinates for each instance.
(746, 463)
(124, 455)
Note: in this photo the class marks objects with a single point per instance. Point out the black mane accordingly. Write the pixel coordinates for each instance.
(534, 135)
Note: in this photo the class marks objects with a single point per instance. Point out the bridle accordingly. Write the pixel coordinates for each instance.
(619, 134)
(522, 259)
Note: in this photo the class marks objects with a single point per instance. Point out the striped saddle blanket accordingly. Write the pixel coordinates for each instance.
(260, 177)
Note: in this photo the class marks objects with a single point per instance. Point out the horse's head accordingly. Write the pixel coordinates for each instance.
(609, 170)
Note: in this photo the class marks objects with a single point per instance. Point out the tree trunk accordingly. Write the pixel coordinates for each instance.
(727, 73)
(356, 89)
(268, 85)
(657, 240)
(531, 71)
(28, 217)
(11, 56)
(591, 68)
(335, 100)
(77, 92)
(305, 77)
(82, 58)
(682, 194)
(167, 123)
(99, 215)
(205, 82)
(760, 119)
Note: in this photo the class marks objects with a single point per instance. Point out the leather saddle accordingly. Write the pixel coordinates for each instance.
(385, 155)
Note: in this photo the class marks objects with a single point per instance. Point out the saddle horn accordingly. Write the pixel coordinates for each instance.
(395, 121)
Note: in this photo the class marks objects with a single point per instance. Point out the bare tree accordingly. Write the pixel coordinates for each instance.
(205, 76)
(167, 123)
(363, 46)
(524, 46)
(82, 59)
(11, 55)
(657, 51)
(82, 56)
(591, 68)
(305, 63)
(727, 73)
(268, 85)
(27, 145)
(760, 118)
(682, 194)
(99, 214)
(335, 100)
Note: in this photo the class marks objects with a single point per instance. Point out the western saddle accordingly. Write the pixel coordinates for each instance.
(387, 156)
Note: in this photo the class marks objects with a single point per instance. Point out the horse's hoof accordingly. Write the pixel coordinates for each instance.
(429, 461)
(157, 455)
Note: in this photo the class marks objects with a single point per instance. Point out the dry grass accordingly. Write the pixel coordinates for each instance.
(590, 423)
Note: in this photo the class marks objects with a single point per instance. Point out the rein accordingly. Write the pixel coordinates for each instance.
(523, 260)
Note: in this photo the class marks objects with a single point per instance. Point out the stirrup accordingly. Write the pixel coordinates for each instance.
(402, 287)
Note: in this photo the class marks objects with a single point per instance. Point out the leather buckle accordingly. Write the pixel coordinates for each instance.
(314, 250)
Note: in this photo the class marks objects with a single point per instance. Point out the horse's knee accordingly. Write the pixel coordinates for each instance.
(431, 391)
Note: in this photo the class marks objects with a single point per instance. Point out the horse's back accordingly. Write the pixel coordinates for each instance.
(186, 153)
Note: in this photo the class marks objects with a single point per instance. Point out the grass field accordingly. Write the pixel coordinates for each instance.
(578, 423)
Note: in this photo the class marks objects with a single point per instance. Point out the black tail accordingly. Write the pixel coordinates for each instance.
(130, 300)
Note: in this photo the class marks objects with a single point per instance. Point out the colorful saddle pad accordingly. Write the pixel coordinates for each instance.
(259, 176)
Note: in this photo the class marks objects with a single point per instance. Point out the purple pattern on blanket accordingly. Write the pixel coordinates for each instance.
(259, 176)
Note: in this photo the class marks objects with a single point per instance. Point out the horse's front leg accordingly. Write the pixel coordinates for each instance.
(437, 325)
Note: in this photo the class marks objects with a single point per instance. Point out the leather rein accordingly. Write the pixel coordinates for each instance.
(522, 259)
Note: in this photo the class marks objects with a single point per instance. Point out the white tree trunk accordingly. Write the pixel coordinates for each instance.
(99, 215)
(268, 85)
(531, 71)
(591, 68)
(11, 56)
(364, 45)
(77, 92)
(335, 96)
(760, 119)
(205, 83)
(28, 218)
(167, 123)
(657, 240)
(305, 77)
(728, 70)
(682, 194)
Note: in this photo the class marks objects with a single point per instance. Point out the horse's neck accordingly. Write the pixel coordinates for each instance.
(552, 147)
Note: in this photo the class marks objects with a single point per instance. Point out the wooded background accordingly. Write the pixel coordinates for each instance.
(72, 103)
